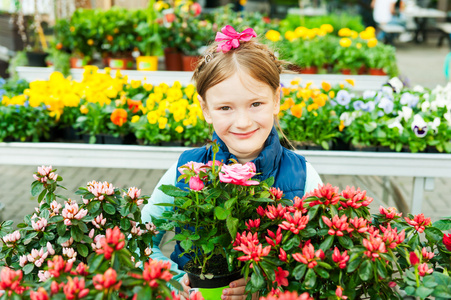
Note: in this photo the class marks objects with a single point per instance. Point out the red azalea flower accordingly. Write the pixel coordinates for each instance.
(447, 241)
(282, 255)
(298, 204)
(414, 260)
(389, 213)
(354, 198)
(426, 255)
(155, 269)
(276, 193)
(340, 259)
(245, 238)
(252, 224)
(359, 224)
(375, 245)
(58, 265)
(253, 252)
(337, 225)
(196, 296)
(75, 288)
(309, 256)
(273, 212)
(114, 240)
(423, 269)
(339, 293)
(107, 280)
(40, 294)
(10, 281)
(273, 236)
(391, 237)
(419, 222)
(287, 295)
(281, 277)
(295, 222)
(327, 194)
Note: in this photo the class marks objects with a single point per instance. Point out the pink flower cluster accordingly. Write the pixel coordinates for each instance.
(134, 194)
(71, 211)
(99, 190)
(419, 222)
(10, 281)
(12, 238)
(44, 174)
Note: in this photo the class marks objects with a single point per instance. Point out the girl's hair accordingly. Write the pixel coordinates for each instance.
(254, 58)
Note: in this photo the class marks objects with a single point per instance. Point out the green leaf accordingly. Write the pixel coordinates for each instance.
(381, 269)
(366, 270)
(76, 233)
(232, 226)
(414, 241)
(109, 208)
(173, 191)
(36, 188)
(423, 292)
(94, 262)
(321, 272)
(443, 225)
(229, 203)
(429, 281)
(186, 244)
(28, 268)
(221, 213)
(299, 271)
(257, 279)
(83, 227)
(82, 250)
(433, 234)
(327, 243)
(310, 278)
(125, 224)
(93, 206)
(61, 229)
(41, 195)
(313, 211)
(346, 241)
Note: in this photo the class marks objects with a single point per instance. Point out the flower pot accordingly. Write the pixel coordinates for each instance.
(345, 71)
(147, 63)
(361, 70)
(37, 59)
(120, 63)
(77, 63)
(377, 72)
(211, 289)
(173, 59)
(309, 70)
(189, 62)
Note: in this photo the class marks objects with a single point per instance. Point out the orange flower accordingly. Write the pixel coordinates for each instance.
(326, 86)
(296, 110)
(134, 105)
(119, 116)
(109, 38)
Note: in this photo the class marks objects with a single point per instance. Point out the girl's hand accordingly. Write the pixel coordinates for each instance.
(184, 295)
(236, 291)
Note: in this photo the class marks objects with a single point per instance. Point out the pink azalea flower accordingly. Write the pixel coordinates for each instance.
(355, 198)
(419, 222)
(423, 269)
(295, 222)
(389, 213)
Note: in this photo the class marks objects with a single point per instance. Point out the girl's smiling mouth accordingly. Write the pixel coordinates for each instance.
(245, 135)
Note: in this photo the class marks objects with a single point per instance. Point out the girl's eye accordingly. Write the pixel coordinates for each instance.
(224, 108)
(256, 104)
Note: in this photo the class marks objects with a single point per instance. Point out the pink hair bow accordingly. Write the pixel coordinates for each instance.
(231, 38)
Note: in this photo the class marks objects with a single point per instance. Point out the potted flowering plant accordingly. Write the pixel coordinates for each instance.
(327, 244)
(208, 215)
(76, 250)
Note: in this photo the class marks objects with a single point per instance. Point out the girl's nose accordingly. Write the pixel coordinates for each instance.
(243, 120)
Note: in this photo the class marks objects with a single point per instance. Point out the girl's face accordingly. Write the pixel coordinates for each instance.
(242, 111)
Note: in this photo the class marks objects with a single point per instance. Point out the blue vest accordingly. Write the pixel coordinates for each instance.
(287, 168)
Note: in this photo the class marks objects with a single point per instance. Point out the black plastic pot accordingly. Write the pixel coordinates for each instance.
(37, 59)
(215, 282)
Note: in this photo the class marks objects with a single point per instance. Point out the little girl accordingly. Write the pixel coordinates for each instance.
(238, 82)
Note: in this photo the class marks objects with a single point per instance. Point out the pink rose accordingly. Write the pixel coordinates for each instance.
(196, 184)
(238, 174)
(192, 165)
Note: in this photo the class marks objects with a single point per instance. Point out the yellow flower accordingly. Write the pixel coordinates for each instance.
(296, 110)
(300, 31)
(327, 27)
(179, 129)
(366, 35)
(344, 32)
(326, 86)
(345, 42)
(372, 42)
(341, 85)
(147, 86)
(162, 122)
(295, 81)
(354, 34)
(135, 83)
(90, 42)
(152, 117)
(310, 33)
(331, 94)
(135, 119)
(273, 35)
(84, 109)
(290, 35)
(350, 81)
(243, 2)
(189, 91)
(312, 107)
(342, 125)
(371, 29)
(72, 29)
(358, 45)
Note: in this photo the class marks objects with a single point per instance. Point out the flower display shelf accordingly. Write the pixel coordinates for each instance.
(362, 82)
(424, 167)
